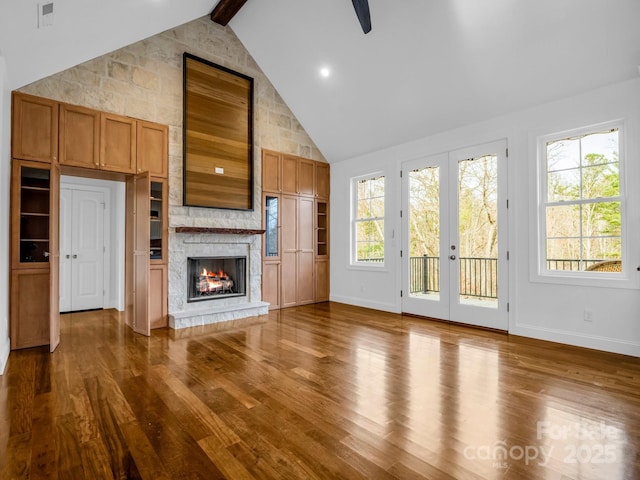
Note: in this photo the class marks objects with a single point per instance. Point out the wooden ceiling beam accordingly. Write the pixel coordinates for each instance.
(225, 11)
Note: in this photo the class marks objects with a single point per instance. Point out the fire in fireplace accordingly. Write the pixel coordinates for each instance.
(212, 278)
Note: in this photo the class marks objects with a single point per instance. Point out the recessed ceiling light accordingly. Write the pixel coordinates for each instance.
(325, 72)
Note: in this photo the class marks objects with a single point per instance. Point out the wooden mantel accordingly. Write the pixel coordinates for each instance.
(227, 231)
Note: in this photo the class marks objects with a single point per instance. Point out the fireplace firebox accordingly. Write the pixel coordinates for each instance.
(212, 278)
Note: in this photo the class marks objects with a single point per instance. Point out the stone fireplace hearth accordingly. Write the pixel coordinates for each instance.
(182, 246)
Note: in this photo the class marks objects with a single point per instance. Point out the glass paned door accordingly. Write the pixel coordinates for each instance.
(455, 236)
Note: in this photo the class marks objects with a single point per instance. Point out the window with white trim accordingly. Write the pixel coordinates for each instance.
(582, 202)
(368, 220)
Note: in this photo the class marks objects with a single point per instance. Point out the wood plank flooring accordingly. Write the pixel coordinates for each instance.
(317, 392)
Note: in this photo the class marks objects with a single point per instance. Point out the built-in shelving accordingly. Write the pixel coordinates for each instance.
(34, 214)
(156, 221)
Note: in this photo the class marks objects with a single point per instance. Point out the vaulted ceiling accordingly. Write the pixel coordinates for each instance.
(427, 65)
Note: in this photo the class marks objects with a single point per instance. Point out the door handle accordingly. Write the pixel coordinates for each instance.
(452, 257)
(68, 256)
(75, 256)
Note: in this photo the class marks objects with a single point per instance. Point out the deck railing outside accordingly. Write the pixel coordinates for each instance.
(478, 276)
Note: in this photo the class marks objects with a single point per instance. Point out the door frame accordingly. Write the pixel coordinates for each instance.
(452, 309)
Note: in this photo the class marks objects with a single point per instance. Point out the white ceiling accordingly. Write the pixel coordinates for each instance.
(427, 66)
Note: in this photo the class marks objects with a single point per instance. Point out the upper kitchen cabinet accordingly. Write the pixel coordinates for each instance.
(117, 143)
(35, 128)
(152, 145)
(79, 136)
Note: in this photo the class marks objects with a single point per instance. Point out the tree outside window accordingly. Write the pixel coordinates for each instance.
(368, 220)
(582, 203)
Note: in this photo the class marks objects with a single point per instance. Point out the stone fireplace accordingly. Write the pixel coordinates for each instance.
(232, 257)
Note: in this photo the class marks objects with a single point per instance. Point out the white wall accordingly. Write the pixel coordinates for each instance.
(538, 310)
(5, 162)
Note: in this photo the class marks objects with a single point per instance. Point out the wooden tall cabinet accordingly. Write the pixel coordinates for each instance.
(50, 136)
(32, 199)
(295, 267)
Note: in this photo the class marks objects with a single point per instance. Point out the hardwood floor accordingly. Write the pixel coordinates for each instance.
(316, 392)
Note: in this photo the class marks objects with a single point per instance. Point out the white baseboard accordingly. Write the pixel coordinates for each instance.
(595, 342)
(361, 302)
(5, 349)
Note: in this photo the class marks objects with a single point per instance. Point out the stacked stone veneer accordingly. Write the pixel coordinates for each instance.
(144, 80)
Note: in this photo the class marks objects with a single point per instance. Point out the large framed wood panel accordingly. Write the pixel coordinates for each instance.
(218, 136)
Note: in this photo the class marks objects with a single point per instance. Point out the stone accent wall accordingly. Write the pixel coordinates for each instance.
(144, 80)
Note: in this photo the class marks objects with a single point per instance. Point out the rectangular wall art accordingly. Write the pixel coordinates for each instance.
(218, 136)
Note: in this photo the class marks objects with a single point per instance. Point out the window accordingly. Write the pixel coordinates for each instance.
(582, 202)
(368, 220)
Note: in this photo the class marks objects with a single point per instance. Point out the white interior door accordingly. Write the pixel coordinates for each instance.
(455, 231)
(82, 238)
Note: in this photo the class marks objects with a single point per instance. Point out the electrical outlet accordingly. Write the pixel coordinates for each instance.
(588, 315)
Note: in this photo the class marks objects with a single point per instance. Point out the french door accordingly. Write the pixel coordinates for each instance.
(455, 236)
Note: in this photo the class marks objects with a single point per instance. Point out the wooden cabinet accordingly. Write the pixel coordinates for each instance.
(297, 258)
(291, 175)
(306, 177)
(46, 134)
(152, 141)
(322, 180)
(305, 262)
(295, 249)
(321, 275)
(79, 136)
(321, 265)
(289, 171)
(158, 233)
(158, 295)
(34, 128)
(29, 307)
(117, 143)
(33, 251)
(271, 172)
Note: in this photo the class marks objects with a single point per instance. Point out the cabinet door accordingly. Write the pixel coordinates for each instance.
(289, 252)
(305, 262)
(289, 174)
(29, 308)
(321, 276)
(137, 253)
(117, 143)
(306, 175)
(79, 136)
(271, 172)
(34, 128)
(322, 180)
(152, 145)
(158, 294)
(54, 260)
(271, 284)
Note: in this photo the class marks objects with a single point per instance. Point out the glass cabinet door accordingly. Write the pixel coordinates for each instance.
(271, 227)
